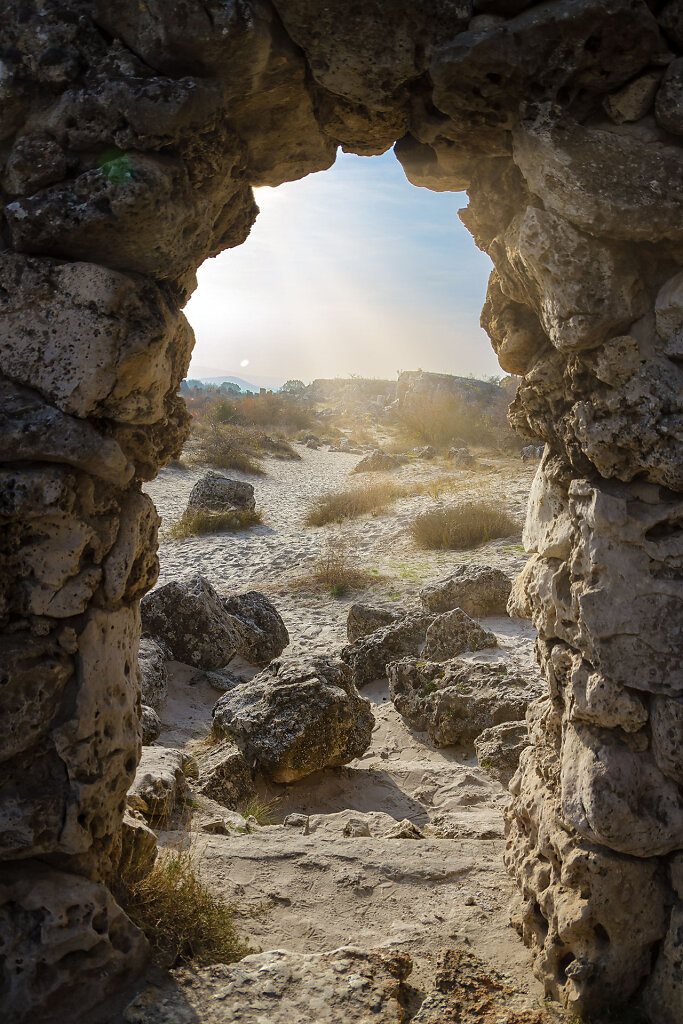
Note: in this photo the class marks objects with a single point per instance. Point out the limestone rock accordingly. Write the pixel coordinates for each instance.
(189, 619)
(666, 722)
(404, 829)
(663, 993)
(368, 656)
(454, 702)
(217, 493)
(634, 100)
(478, 589)
(159, 783)
(151, 725)
(46, 945)
(364, 619)
(283, 987)
(224, 775)
(264, 635)
(138, 845)
(462, 458)
(454, 632)
(296, 717)
(377, 462)
(499, 749)
(152, 664)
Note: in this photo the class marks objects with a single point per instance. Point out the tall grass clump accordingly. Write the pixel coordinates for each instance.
(183, 921)
(335, 506)
(463, 526)
(334, 571)
(198, 522)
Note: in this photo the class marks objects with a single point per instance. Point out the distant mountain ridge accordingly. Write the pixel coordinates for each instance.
(208, 375)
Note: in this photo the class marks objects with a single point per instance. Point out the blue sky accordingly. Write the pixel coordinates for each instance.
(352, 270)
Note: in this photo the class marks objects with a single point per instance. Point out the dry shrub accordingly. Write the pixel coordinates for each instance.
(442, 419)
(336, 506)
(269, 412)
(183, 921)
(231, 446)
(463, 526)
(197, 522)
(262, 810)
(334, 571)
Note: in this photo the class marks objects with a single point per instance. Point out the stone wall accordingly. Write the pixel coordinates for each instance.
(130, 137)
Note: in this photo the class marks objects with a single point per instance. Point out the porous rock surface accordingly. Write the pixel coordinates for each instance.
(296, 717)
(263, 634)
(188, 618)
(151, 725)
(455, 701)
(154, 674)
(368, 656)
(478, 589)
(364, 619)
(377, 462)
(214, 492)
(499, 749)
(131, 136)
(454, 633)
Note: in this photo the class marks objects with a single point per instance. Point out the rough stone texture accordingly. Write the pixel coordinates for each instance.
(296, 717)
(368, 656)
(189, 619)
(159, 783)
(499, 749)
(453, 633)
(282, 987)
(455, 701)
(151, 725)
(152, 665)
(264, 635)
(224, 775)
(478, 589)
(364, 619)
(377, 462)
(217, 493)
(131, 134)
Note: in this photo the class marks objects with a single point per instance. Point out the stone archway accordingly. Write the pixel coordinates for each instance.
(130, 137)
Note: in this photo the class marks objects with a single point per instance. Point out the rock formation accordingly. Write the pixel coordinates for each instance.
(131, 135)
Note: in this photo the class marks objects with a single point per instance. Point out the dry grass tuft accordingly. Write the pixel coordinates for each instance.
(262, 810)
(334, 507)
(463, 526)
(183, 921)
(197, 522)
(233, 446)
(335, 572)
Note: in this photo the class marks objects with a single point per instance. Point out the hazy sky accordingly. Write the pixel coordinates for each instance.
(352, 270)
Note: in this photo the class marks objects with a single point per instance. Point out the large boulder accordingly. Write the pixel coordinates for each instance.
(364, 619)
(454, 702)
(499, 749)
(159, 783)
(478, 589)
(217, 493)
(154, 675)
(377, 462)
(151, 725)
(368, 656)
(224, 775)
(296, 717)
(454, 633)
(189, 619)
(264, 634)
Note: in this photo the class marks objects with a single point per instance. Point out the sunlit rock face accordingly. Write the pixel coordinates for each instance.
(130, 137)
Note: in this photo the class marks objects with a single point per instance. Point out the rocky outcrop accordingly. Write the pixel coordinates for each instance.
(264, 635)
(188, 618)
(364, 619)
(499, 749)
(152, 665)
(217, 493)
(377, 462)
(455, 701)
(479, 590)
(368, 656)
(296, 717)
(151, 725)
(453, 633)
(131, 136)
(223, 775)
(159, 784)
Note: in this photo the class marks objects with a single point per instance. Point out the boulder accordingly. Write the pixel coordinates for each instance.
(264, 634)
(367, 657)
(453, 633)
(364, 619)
(461, 457)
(669, 105)
(376, 462)
(478, 589)
(224, 775)
(188, 617)
(217, 493)
(296, 717)
(404, 829)
(152, 665)
(159, 783)
(499, 748)
(456, 701)
(425, 451)
(151, 725)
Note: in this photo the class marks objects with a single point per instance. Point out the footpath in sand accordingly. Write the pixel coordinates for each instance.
(333, 879)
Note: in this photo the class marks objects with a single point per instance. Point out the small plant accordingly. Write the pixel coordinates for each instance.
(334, 571)
(463, 526)
(337, 506)
(261, 810)
(197, 522)
(183, 921)
(428, 688)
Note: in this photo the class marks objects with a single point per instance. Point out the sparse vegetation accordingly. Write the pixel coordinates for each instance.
(197, 522)
(182, 920)
(336, 506)
(261, 810)
(463, 526)
(334, 571)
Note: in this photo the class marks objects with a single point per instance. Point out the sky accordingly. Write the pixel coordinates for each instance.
(349, 271)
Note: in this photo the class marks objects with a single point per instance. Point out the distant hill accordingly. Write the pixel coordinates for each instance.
(208, 375)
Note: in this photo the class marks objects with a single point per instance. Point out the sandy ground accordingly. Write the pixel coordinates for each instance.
(317, 891)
